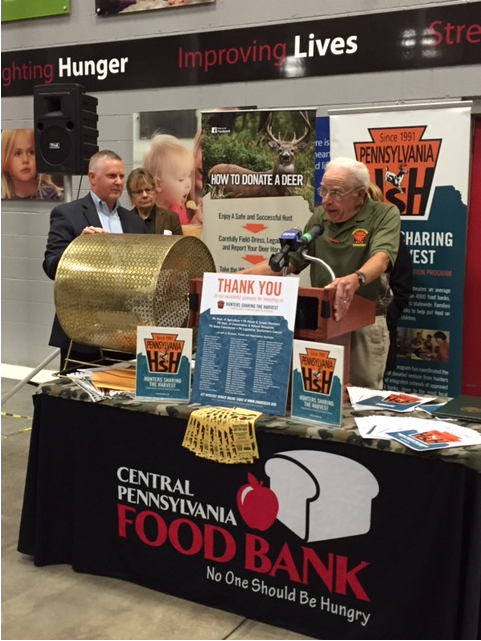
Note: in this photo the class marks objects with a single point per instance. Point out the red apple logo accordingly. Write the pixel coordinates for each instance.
(258, 505)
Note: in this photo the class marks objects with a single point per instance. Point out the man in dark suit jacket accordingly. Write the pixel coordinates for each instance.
(97, 213)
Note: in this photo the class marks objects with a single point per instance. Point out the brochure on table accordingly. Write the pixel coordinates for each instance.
(439, 436)
(317, 374)
(394, 401)
(363, 398)
(431, 408)
(164, 356)
(244, 343)
(417, 433)
(112, 381)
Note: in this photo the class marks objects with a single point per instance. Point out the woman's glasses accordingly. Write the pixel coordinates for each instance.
(139, 192)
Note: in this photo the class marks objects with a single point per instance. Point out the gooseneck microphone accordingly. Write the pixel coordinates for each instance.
(289, 242)
(309, 236)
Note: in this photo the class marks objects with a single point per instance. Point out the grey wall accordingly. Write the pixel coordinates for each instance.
(27, 295)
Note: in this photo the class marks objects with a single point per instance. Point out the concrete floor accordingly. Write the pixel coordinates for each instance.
(54, 602)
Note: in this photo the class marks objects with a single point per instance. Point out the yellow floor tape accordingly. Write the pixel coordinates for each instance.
(28, 418)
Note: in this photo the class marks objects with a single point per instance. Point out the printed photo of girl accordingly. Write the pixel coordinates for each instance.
(20, 178)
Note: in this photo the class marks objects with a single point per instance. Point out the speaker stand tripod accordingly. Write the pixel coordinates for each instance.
(30, 375)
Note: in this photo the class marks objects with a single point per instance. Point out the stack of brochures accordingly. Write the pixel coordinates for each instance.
(363, 398)
(117, 380)
(122, 380)
(416, 433)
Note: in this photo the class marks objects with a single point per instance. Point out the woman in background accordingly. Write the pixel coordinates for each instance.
(141, 190)
(400, 280)
(19, 171)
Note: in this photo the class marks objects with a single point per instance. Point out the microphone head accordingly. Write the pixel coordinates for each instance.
(307, 238)
(290, 234)
(290, 238)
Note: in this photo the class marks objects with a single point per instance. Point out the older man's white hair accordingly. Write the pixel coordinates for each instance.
(358, 170)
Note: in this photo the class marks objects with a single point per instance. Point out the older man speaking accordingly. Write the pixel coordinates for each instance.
(359, 243)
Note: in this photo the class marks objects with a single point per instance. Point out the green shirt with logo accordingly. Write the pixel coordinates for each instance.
(346, 246)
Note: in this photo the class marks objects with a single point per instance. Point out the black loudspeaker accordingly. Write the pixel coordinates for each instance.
(65, 128)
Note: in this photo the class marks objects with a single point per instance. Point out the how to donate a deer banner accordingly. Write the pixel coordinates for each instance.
(258, 173)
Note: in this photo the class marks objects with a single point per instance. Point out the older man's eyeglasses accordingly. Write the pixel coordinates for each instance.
(146, 190)
(335, 194)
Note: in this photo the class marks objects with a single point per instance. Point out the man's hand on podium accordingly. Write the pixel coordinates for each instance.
(345, 287)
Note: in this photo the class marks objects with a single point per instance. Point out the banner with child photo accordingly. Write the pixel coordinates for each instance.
(167, 145)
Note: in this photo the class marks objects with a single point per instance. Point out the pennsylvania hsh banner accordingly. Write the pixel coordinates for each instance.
(420, 160)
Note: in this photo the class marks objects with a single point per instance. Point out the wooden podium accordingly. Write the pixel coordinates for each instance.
(314, 317)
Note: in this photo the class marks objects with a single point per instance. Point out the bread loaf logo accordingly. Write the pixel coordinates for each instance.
(320, 495)
(402, 164)
(163, 353)
(317, 370)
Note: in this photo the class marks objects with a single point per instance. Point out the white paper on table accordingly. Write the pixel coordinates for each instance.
(379, 426)
(439, 435)
(429, 409)
(394, 427)
(86, 372)
(357, 394)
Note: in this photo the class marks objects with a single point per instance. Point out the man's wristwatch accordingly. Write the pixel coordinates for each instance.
(360, 277)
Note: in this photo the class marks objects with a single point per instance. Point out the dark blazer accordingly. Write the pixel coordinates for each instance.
(401, 282)
(165, 219)
(66, 223)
